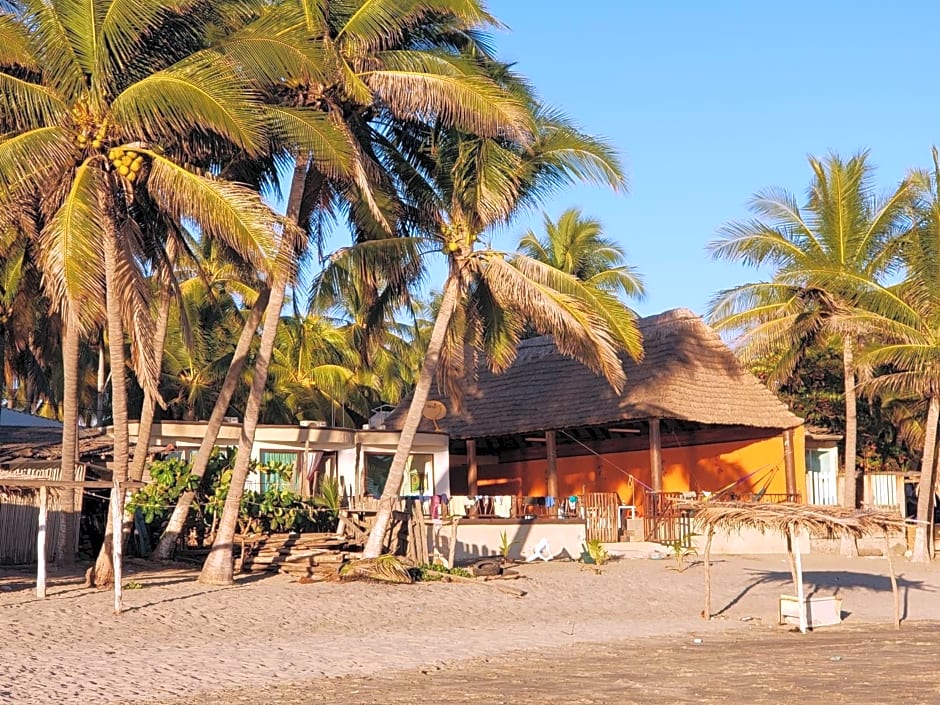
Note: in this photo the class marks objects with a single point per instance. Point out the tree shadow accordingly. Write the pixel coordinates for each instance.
(832, 581)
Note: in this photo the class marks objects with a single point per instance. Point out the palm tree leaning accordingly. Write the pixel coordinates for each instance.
(464, 185)
(124, 112)
(372, 64)
(821, 255)
(906, 317)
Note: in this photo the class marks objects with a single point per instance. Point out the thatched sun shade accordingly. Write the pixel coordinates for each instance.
(789, 519)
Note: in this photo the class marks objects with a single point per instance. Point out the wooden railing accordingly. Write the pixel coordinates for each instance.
(665, 521)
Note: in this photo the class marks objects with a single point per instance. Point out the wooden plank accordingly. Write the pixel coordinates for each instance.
(472, 468)
(551, 463)
(788, 462)
(41, 543)
(34, 483)
(448, 577)
(656, 456)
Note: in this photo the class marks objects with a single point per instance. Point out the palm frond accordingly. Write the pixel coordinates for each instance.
(385, 569)
(27, 106)
(198, 96)
(27, 159)
(16, 48)
(70, 254)
(314, 132)
(619, 320)
(578, 332)
(125, 24)
(52, 48)
(231, 213)
(438, 86)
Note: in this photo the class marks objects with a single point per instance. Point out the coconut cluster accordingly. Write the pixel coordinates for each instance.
(126, 162)
(93, 135)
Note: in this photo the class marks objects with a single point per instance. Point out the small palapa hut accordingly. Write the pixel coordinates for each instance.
(689, 419)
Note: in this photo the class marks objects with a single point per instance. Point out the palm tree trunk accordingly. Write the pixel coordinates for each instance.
(218, 569)
(396, 472)
(102, 382)
(3, 365)
(104, 569)
(147, 412)
(849, 499)
(925, 487)
(164, 549)
(149, 408)
(65, 551)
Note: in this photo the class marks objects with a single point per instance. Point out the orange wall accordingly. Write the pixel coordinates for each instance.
(698, 468)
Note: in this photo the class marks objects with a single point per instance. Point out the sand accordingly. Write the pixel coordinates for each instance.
(271, 639)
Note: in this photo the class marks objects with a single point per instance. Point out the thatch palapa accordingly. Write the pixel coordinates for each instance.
(785, 517)
(790, 519)
(687, 373)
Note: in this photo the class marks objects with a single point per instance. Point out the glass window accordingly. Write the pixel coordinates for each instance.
(271, 479)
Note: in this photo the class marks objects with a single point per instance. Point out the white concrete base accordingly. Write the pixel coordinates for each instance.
(750, 541)
(822, 611)
(482, 538)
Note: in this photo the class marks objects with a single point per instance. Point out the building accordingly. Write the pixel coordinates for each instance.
(358, 459)
(689, 419)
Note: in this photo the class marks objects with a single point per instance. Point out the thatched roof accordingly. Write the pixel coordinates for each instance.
(784, 516)
(32, 446)
(687, 373)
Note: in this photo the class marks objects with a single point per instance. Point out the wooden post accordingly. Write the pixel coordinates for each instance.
(800, 594)
(472, 468)
(117, 515)
(707, 614)
(452, 549)
(790, 559)
(788, 462)
(41, 542)
(894, 584)
(551, 460)
(656, 456)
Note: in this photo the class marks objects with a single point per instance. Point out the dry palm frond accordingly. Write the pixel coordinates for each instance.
(384, 569)
(785, 516)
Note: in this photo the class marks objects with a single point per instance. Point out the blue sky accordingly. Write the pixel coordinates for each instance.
(709, 102)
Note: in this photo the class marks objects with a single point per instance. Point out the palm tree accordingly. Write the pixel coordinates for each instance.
(820, 255)
(206, 361)
(314, 373)
(464, 185)
(576, 245)
(115, 111)
(907, 318)
(389, 60)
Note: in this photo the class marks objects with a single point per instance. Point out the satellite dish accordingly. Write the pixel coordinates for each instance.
(434, 410)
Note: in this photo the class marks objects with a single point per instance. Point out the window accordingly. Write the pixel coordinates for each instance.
(274, 479)
(321, 466)
(419, 474)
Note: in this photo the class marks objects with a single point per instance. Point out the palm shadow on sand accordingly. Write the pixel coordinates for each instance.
(831, 582)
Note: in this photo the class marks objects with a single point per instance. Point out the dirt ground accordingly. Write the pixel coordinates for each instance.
(845, 665)
(625, 635)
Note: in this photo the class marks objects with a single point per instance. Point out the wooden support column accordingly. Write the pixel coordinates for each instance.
(788, 462)
(117, 514)
(551, 460)
(656, 456)
(41, 542)
(472, 468)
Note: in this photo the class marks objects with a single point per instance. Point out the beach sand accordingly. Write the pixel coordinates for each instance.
(631, 634)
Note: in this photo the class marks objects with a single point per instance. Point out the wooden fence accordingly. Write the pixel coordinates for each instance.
(19, 516)
(600, 510)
